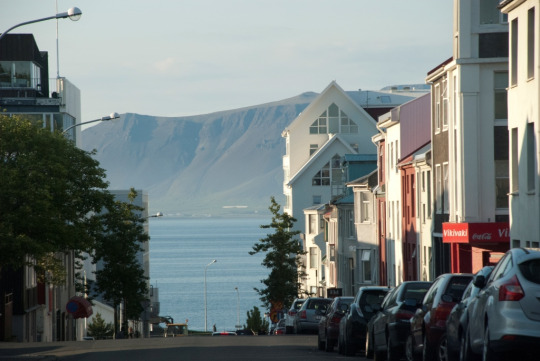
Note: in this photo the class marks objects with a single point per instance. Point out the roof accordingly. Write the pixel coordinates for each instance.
(360, 157)
(317, 154)
(362, 180)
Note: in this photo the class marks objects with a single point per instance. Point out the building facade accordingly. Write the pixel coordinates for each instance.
(523, 121)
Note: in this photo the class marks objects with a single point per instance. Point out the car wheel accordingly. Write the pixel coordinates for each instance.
(328, 345)
(487, 351)
(289, 330)
(320, 343)
(391, 351)
(442, 350)
(410, 355)
(369, 346)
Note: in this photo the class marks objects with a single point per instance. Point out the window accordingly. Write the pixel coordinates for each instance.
(437, 108)
(312, 257)
(445, 104)
(428, 194)
(514, 52)
(515, 163)
(502, 180)
(317, 200)
(366, 266)
(501, 104)
(438, 188)
(312, 223)
(322, 178)
(333, 121)
(489, 12)
(445, 189)
(532, 171)
(313, 148)
(365, 210)
(530, 43)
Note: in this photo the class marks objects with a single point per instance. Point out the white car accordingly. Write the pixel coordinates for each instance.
(291, 313)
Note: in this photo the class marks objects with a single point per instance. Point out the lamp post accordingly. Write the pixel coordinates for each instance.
(238, 309)
(102, 119)
(74, 14)
(205, 308)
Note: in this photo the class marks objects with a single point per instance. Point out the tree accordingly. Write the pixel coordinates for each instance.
(255, 322)
(50, 195)
(282, 258)
(122, 279)
(99, 329)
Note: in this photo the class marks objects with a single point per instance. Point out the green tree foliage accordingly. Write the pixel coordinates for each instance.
(122, 278)
(99, 329)
(282, 258)
(255, 322)
(50, 195)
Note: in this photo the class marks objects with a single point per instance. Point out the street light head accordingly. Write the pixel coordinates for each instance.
(110, 117)
(74, 13)
(214, 261)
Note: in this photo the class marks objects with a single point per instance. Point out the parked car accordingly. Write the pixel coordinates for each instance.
(291, 313)
(280, 328)
(428, 325)
(352, 328)
(391, 325)
(329, 323)
(308, 316)
(505, 320)
(458, 319)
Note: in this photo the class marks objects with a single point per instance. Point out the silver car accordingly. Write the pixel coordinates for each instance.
(506, 315)
(308, 316)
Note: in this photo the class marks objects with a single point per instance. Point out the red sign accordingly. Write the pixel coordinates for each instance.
(476, 232)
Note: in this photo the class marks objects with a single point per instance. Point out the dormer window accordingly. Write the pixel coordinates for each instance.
(333, 121)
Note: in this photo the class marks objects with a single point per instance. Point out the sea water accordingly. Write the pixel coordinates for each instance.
(181, 252)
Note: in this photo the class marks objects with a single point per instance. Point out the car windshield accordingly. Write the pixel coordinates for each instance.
(457, 286)
(372, 299)
(416, 291)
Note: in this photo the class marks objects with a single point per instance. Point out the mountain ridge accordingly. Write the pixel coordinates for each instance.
(205, 164)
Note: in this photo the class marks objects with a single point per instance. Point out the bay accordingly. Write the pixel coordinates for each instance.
(180, 251)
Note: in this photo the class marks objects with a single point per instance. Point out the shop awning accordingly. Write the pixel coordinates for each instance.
(476, 233)
(79, 307)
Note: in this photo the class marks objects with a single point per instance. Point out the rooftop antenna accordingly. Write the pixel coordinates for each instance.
(57, 53)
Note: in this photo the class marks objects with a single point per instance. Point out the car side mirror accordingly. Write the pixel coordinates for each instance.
(479, 281)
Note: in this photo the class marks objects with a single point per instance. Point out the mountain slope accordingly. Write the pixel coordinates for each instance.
(199, 164)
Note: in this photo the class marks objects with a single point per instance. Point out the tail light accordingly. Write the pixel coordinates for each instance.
(511, 290)
(303, 314)
(404, 315)
(442, 312)
(292, 313)
(335, 319)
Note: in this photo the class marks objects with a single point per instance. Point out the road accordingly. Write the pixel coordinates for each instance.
(259, 348)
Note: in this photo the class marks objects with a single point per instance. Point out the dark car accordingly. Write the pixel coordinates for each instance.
(505, 320)
(291, 313)
(329, 323)
(352, 328)
(428, 325)
(308, 316)
(391, 325)
(458, 319)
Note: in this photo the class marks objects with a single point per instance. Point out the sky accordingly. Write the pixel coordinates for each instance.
(190, 57)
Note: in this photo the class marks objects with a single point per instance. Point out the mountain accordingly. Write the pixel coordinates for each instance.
(223, 163)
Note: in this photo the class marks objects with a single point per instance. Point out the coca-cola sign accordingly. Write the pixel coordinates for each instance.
(476, 232)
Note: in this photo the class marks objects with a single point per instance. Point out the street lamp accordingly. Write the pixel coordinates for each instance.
(158, 214)
(238, 309)
(102, 119)
(205, 308)
(74, 14)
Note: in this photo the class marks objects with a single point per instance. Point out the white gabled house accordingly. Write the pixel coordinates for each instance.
(330, 127)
